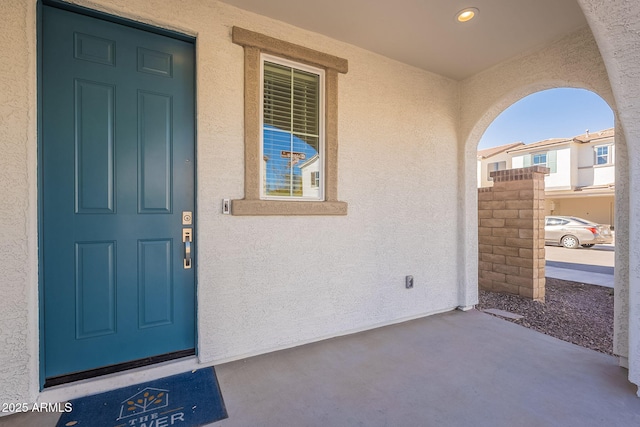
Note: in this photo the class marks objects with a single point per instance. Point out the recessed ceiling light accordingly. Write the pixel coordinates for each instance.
(466, 15)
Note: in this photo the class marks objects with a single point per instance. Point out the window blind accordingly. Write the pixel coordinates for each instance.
(291, 128)
(292, 102)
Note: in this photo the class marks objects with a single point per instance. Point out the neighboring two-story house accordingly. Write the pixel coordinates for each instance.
(311, 177)
(494, 159)
(581, 181)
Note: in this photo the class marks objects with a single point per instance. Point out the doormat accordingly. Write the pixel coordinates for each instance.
(186, 400)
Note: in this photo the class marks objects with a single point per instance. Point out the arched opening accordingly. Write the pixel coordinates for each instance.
(571, 132)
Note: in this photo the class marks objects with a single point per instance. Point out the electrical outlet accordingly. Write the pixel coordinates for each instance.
(408, 282)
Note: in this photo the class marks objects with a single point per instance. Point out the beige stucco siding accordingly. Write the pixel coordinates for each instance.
(18, 214)
(617, 30)
(267, 283)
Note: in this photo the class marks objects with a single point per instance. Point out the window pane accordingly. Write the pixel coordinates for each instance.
(277, 173)
(277, 96)
(291, 142)
(305, 103)
(540, 159)
(602, 155)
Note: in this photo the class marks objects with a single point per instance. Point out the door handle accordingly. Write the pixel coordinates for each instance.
(187, 239)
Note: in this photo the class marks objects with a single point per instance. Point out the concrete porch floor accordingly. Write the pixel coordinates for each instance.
(451, 369)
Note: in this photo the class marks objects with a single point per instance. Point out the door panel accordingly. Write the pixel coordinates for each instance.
(117, 171)
(155, 283)
(95, 289)
(94, 123)
(154, 152)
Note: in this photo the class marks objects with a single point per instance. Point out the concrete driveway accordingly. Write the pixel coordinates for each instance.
(585, 265)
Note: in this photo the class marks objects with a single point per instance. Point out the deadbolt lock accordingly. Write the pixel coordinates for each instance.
(187, 217)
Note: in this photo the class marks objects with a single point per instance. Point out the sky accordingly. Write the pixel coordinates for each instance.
(553, 113)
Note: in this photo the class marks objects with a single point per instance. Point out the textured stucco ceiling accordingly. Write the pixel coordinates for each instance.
(425, 34)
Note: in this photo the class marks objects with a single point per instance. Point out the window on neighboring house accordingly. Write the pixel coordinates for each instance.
(292, 113)
(603, 156)
(290, 119)
(547, 159)
(315, 179)
(495, 166)
(539, 159)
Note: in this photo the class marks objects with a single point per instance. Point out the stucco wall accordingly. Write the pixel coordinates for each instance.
(602, 175)
(263, 282)
(277, 282)
(18, 244)
(560, 64)
(564, 167)
(616, 27)
(598, 209)
(273, 282)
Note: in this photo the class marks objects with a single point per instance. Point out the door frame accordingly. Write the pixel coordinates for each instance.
(60, 4)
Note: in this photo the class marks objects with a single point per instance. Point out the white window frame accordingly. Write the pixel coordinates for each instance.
(321, 125)
(546, 158)
(595, 155)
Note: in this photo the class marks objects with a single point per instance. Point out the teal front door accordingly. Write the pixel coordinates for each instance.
(117, 173)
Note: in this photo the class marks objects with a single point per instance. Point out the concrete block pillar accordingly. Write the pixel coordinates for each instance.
(511, 233)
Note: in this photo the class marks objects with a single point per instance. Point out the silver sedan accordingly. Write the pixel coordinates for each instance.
(572, 232)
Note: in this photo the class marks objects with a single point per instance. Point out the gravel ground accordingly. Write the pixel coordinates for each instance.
(574, 312)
